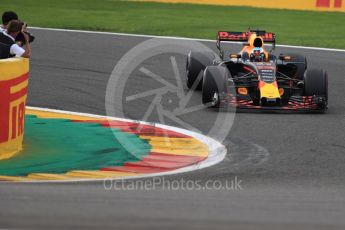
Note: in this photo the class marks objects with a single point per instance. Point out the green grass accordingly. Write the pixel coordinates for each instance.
(198, 21)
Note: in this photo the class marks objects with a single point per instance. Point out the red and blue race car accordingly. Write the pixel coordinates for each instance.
(255, 78)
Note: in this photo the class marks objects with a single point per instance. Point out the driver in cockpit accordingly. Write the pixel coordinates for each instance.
(257, 55)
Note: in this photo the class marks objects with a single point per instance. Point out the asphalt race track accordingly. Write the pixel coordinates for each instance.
(291, 166)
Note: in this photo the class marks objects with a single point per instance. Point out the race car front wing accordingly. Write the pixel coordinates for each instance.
(295, 103)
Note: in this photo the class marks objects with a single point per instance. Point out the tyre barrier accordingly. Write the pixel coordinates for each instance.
(14, 74)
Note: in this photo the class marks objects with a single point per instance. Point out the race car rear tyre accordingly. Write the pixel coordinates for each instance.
(195, 66)
(300, 62)
(214, 84)
(316, 83)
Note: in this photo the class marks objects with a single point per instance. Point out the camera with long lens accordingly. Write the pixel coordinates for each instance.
(20, 39)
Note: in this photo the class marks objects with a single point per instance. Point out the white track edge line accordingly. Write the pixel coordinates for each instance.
(179, 38)
(217, 151)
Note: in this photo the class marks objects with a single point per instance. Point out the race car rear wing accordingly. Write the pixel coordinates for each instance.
(244, 36)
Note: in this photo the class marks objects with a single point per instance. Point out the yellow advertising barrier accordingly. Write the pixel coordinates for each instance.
(315, 5)
(14, 73)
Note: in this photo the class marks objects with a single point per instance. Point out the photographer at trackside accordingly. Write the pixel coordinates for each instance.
(8, 46)
(6, 18)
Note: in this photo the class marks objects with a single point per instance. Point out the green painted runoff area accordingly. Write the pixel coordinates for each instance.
(59, 146)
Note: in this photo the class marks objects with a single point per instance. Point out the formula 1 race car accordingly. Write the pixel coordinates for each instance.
(255, 78)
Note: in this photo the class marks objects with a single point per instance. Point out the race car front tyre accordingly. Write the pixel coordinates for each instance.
(316, 84)
(195, 66)
(214, 84)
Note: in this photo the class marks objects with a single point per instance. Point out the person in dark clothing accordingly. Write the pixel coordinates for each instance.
(8, 46)
(6, 18)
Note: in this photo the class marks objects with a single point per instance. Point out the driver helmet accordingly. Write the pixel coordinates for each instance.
(257, 55)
